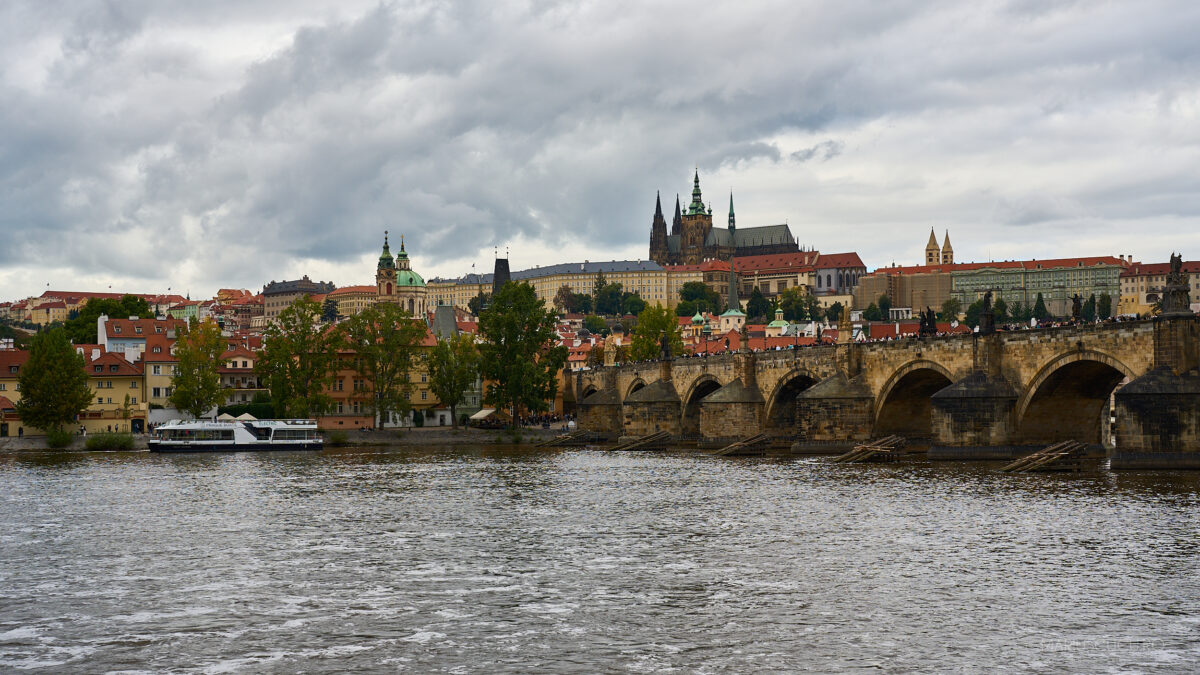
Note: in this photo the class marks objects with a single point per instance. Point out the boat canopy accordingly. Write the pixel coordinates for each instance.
(483, 414)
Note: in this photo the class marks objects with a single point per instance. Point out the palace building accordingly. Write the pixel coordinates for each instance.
(693, 238)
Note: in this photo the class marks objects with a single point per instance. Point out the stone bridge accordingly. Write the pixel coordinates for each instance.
(967, 396)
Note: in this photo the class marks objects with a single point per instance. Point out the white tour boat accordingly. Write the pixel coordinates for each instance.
(209, 436)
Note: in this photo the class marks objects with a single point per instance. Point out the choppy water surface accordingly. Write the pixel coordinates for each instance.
(440, 560)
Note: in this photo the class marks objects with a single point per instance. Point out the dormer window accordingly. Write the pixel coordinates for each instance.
(112, 369)
(116, 329)
(157, 349)
(98, 369)
(137, 329)
(158, 329)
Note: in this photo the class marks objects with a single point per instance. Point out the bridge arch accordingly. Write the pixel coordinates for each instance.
(702, 386)
(588, 391)
(637, 383)
(781, 403)
(903, 405)
(1065, 399)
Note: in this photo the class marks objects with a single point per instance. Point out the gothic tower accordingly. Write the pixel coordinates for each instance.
(677, 221)
(947, 251)
(933, 254)
(697, 223)
(732, 227)
(658, 235)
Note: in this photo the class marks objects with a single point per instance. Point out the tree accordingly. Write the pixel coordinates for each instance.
(329, 310)
(653, 323)
(581, 303)
(757, 305)
(385, 339)
(1089, 308)
(951, 308)
(885, 306)
(125, 410)
(1000, 310)
(794, 303)
(595, 324)
(53, 382)
(82, 328)
(608, 300)
(196, 384)
(297, 360)
(815, 311)
(1039, 309)
(453, 369)
(1019, 312)
(1104, 306)
(872, 313)
(476, 303)
(834, 312)
(562, 299)
(686, 308)
(971, 318)
(632, 303)
(519, 356)
(706, 299)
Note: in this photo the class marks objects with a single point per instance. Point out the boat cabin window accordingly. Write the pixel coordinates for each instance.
(199, 434)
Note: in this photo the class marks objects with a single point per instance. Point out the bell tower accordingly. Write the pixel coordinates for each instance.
(385, 273)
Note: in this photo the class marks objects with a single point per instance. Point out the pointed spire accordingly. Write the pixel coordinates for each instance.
(932, 239)
(401, 243)
(697, 205)
(732, 226)
(946, 244)
(657, 205)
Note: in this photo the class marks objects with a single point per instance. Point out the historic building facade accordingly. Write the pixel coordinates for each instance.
(693, 239)
(396, 282)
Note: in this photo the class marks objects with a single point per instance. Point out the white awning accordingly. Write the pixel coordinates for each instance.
(226, 417)
(247, 417)
(483, 414)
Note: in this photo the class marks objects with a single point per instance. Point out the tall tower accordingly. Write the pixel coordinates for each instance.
(658, 234)
(696, 224)
(677, 222)
(933, 254)
(947, 251)
(732, 227)
(385, 273)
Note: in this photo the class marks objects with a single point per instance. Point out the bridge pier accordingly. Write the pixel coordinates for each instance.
(975, 418)
(653, 408)
(1158, 414)
(833, 416)
(600, 411)
(734, 411)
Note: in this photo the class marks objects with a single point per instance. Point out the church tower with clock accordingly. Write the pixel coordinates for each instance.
(396, 282)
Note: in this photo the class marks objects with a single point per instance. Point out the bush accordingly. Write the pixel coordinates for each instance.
(109, 441)
(337, 438)
(59, 439)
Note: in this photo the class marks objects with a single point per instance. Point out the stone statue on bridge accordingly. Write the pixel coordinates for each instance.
(1176, 300)
(987, 318)
(1076, 306)
(664, 347)
(928, 326)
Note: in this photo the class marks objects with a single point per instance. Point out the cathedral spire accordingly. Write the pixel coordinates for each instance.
(385, 258)
(677, 223)
(658, 205)
(697, 205)
(732, 227)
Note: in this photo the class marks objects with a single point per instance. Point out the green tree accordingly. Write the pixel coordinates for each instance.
(329, 310)
(951, 308)
(1039, 309)
(834, 312)
(653, 323)
(1000, 310)
(608, 300)
(196, 384)
(297, 359)
(562, 298)
(476, 303)
(453, 369)
(385, 339)
(53, 382)
(872, 313)
(595, 325)
(581, 303)
(598, 285)
(885, 305)
(1089, 308)
(685, 308)
(794, 303)
(632, 303)
(815, 311)
(758, 306)
(519, 355)
(973, 312)
(82, 328)
(1104, 306)
(706, 299)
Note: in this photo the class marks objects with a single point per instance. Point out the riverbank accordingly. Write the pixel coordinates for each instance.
(385, 437)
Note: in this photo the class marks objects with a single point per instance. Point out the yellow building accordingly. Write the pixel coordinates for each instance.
(353, 299)
(118, 395)
(159, 365)
(1142, 285)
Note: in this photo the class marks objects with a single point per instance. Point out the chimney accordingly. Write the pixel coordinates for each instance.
(95, 353)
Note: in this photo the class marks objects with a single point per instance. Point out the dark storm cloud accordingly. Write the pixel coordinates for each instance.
(220, 143)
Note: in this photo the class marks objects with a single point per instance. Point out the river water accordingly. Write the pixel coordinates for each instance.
(517, 560)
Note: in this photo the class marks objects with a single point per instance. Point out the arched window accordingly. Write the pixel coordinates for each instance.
(389, 288)
(410, 306)
(828, 280)
(818, 281)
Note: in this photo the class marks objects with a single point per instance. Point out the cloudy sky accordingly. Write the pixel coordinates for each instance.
(147, 144)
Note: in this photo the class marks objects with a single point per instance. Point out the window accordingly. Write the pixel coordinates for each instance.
(137, 329)
(2, 386)
(156, 370)
(98, 369)
(117, 329)
(245, 364)
(113, 369)
(133, 384)
(13, 369)
(157, 349)
(157, 392)
(132, 400)
(424, 377)
(100, 399)
(424, 395)
(339, 408)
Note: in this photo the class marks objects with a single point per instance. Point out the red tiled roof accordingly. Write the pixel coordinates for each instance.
(107, 360)
(347, 290)
(1002, 264)
(163, 342)
(776, 262)
(1158, 269)
(128, 327)
(6, 404)
(12, 357)
(838, 261)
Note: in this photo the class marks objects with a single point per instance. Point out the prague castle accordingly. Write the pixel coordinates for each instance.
(693, 238)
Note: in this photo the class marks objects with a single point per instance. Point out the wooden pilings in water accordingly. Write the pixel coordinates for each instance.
(1062, 456)
(654, 441)
(887, 449)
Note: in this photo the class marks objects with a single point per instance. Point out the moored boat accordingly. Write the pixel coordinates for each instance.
(210, 436)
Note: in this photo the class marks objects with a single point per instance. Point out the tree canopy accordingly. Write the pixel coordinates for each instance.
(1039, 309)
(54, 384)
(951, 308)
(476, 303)
(758, 306)
(297, 358)
(196, 384)
(82, 328)
(385, 339)
(595, 325)
(653, 323)
(329, 310)
(703, 297)
(519, 356)
(453, 369)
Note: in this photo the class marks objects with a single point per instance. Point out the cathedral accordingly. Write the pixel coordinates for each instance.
(693, 238)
